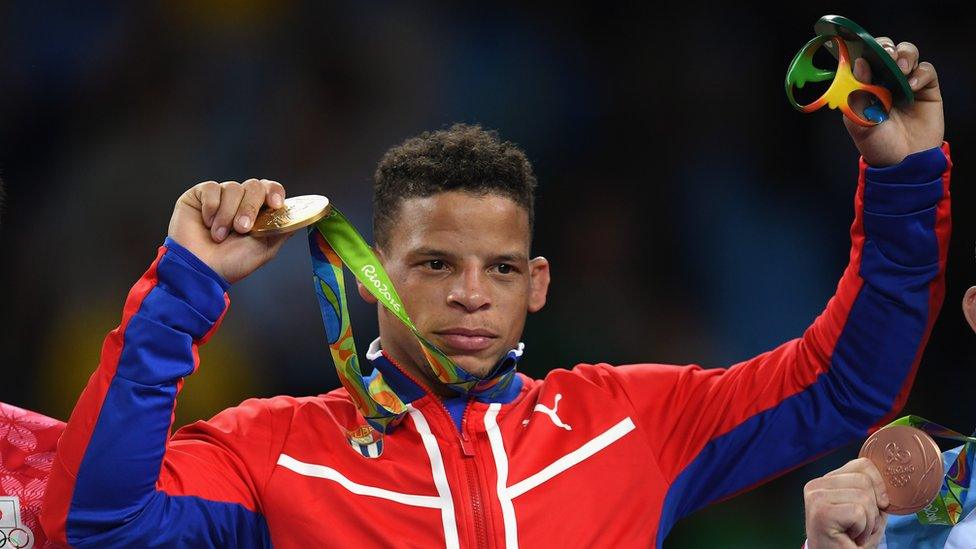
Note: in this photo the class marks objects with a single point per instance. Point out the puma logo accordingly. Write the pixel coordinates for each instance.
(551, 413)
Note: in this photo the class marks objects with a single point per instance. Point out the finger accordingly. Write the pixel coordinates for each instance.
(254, 196)
(275, 193)
(841, 523)
(855, 518)
(867, 467)
(888, 44)
(830, 525)
(862, 70)
(871, 526)
(868, 481)
(906, 55)
(276, 241)
(208, 193)
(924, 77)
(851, 466)
(879, 526)
(851, 479)
(835, 495)
(231, 193)
(830, 505)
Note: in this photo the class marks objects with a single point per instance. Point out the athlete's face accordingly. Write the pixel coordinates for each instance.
(460, 263)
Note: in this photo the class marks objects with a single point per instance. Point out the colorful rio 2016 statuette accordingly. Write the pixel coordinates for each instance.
(847, 41)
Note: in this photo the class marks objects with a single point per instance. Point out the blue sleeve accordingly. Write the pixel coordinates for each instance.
(107, 470)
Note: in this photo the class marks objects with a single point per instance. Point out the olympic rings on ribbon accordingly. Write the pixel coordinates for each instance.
(802, 70)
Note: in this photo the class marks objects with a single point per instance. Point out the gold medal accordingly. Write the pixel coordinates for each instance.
(910, 463)
(295, 213)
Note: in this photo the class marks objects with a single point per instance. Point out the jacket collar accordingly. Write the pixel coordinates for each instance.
(502, 385)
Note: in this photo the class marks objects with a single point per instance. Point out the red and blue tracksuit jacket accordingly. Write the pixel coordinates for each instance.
(592, 456)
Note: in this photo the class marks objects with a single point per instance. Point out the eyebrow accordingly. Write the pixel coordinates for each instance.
(511, 257)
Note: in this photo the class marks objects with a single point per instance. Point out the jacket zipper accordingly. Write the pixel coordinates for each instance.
(468, 452)
(474, 485)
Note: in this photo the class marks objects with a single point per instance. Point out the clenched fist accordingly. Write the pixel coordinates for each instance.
(845, 507)
(212, 221)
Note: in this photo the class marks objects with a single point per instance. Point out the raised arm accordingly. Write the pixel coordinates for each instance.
(117, 479)
(722, 431)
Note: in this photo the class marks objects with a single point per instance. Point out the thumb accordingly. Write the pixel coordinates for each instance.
(264, 248)
(859, 101)
(275, 242)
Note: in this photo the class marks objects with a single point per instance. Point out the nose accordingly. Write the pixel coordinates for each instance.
(470, 291)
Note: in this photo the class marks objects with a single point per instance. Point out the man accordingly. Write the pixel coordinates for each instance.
(846, 507)
(595, 456)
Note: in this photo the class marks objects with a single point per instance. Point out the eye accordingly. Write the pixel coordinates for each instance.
(436, 264)
(504, 268)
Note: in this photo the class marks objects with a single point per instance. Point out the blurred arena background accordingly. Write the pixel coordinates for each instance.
(691, 216)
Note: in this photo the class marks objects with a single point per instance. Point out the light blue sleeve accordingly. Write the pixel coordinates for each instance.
(905, 531)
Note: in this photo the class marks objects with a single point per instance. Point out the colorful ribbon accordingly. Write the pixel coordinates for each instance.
(333, 241)
(946, 508)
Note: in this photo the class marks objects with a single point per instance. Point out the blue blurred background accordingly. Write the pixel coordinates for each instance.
(691, 216)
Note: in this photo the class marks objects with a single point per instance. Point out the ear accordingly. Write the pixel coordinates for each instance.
(364, 293)
(538, 283)
(969, 307)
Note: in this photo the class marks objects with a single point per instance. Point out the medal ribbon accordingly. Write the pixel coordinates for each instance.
(946, 508)
(333, 241)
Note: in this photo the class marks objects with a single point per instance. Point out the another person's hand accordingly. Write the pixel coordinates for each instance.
(844, 508)
(917, 127)
(212, 221)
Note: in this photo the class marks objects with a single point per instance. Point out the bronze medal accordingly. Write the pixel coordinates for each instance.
(295, 213)
(910, 463)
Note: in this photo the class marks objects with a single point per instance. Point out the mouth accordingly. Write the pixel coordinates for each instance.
(466, 340)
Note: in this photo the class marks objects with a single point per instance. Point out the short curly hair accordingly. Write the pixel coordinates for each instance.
(463, 157)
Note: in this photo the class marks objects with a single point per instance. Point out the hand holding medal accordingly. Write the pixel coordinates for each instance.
(900, 471)
(911, 464)
(213, 221)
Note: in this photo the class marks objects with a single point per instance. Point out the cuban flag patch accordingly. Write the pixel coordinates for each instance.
(371, 450)
(366, 442)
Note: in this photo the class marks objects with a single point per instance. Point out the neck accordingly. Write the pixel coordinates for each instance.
(412, 381)
(420, 374)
